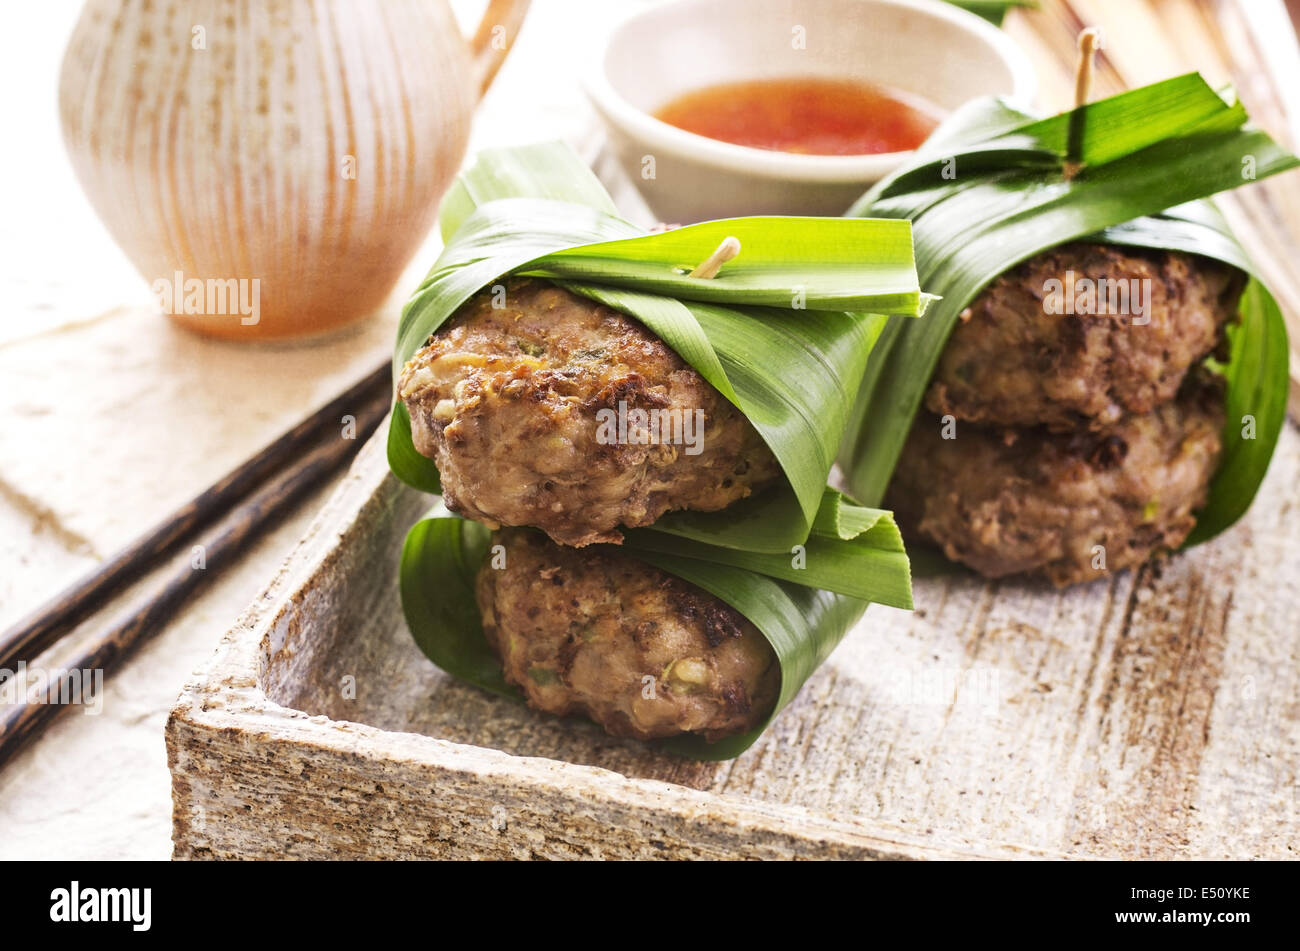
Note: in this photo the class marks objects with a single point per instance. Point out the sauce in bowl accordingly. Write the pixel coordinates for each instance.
(806, 116)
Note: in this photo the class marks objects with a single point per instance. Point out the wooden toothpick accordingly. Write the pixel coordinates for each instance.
(708, 268)
(1089, 43)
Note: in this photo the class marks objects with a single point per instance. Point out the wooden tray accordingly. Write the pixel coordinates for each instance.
(1156, 714)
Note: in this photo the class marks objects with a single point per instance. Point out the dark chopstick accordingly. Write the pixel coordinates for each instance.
(23, 719)
(40, 629)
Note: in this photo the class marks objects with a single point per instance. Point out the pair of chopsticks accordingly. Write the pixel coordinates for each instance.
(219, 523)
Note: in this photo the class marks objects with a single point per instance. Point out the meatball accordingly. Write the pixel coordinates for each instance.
(1007, 501)
(639, 651)
(562, 414)
(1011, 363)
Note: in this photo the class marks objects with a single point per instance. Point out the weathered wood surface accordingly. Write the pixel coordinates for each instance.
(1156, 714)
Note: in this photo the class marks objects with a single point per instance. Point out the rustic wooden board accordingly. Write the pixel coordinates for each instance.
(1156, 714)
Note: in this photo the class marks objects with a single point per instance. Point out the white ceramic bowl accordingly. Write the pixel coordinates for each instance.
(923, 47)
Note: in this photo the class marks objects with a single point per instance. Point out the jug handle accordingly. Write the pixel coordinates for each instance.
(501, 18)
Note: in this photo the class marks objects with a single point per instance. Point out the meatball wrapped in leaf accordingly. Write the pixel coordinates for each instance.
(1053, 431)
(552, 336)
(662, 637)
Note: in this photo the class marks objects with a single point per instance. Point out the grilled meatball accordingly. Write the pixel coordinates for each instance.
(1010, 363)
(639, 651)
(1007, 501)
(508, 402)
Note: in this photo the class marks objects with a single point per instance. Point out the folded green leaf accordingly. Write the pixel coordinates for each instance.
(440, 559)
(852, 550)
(407, 464)
(989, 190)
(784, 331)
(856, 553)
(530, 171)
(786, 263)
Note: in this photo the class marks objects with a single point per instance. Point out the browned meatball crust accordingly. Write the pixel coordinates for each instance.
(1006, 501)
(1010, 363)
(507, 401)
(639, 651)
